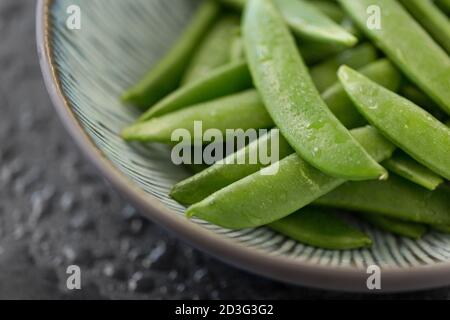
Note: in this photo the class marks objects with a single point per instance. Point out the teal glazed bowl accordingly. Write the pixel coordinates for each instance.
(86, 71)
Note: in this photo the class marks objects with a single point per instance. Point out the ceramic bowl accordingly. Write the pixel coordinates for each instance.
(86, 70)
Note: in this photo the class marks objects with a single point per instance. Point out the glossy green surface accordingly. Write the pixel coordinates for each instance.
(324, 74)
(320, 228)
(220, 82)
(294, 103)
(410, 127)
(234, 167)
(399, 227)
(159, 129)
(216, 177)
(381, 71)
(395, 198)
(262, 199)
(432, 19)
(309, 23)
(239, 111)
(406, 167)
(407, 44)
(215, 50)
(167, 74)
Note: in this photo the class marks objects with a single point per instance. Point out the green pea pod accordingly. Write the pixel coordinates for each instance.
(410, 127)
(222, 81)
(404, 166)
(239, 111)
(261, 199)
(324, 74)
(167, 74)
(306, 21)
(432, 19)
(237, 49)
(444, 5)
(406, 43)
(381, 71)
(402, 228)
(416, 95)
(233, 168)
(215, 50)
(396, 198)
(330, 9)
(310, 23)
(218, 176)
(323, 229)
(316, 52)
(293, 101)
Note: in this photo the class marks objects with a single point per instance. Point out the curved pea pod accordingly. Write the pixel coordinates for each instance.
(404, 166)
(215, 50)
(410, 127)
(246, 161)
(396, 198)
(310, 23)
(219, 114)
(166, 75)
(332, 10)
(322, 229)
(432, 19)
(307, 22)
(220, 175)
(406, 43)
(222, 81)
(381, 71)
(294, 103)
(400, 227)
(417, 96)
(324, 74)
(261, 199)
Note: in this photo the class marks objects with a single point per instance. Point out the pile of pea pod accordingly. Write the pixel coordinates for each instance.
(359, 91)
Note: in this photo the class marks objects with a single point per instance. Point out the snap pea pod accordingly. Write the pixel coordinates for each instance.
(233, 168)
(218, 176)
(400, 227)
(222, 81)
(294, 103)
(444, 5)
(307, 22)
(332, 10)
(395, 198)
(237, 50)
(324, 74)
(167, 74)
(410, 127)
(404, 166)
(381, 71)
(258, 199)
(323, 229)
(315, 52)
(214, 51)
(407, 44)
(416, 95)
(239, 111)
(227, 110)
(432, 19)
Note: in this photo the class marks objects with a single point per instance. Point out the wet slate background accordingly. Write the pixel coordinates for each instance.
(56, 210)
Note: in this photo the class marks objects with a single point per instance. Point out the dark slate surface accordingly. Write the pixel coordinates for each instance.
(56, 210)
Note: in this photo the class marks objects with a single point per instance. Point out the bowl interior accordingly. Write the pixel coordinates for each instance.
(117, 43)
